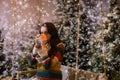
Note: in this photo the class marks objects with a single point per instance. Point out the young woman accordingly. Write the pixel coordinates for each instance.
(47, 53)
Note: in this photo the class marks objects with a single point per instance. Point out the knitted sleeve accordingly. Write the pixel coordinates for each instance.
(32, 60)
(59, 56)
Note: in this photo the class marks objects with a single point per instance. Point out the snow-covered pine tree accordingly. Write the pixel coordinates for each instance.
(107, 58)
(5, 63)
(112, 40)
(67, 12)
(2, 55)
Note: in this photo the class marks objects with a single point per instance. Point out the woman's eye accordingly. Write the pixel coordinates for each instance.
(44, 32)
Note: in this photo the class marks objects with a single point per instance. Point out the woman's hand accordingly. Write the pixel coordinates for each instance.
(43, 52)
(42, 45)
(42, 39)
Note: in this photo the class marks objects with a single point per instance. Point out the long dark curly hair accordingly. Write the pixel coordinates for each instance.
(55, 39)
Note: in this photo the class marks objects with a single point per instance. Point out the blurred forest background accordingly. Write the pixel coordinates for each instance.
(99, 44)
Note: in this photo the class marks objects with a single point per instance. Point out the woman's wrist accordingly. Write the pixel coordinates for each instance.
(34, 55)
(45, 57)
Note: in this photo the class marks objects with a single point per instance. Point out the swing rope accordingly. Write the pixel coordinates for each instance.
(39, 12)
(14, 35)
(102, 27)
(78, 38)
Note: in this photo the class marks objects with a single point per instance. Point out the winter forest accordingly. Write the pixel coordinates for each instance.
(90, 30)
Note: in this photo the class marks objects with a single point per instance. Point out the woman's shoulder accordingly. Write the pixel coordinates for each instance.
(61, 45)
(61, 48)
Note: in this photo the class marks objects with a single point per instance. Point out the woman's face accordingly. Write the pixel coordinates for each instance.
(45, 31)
